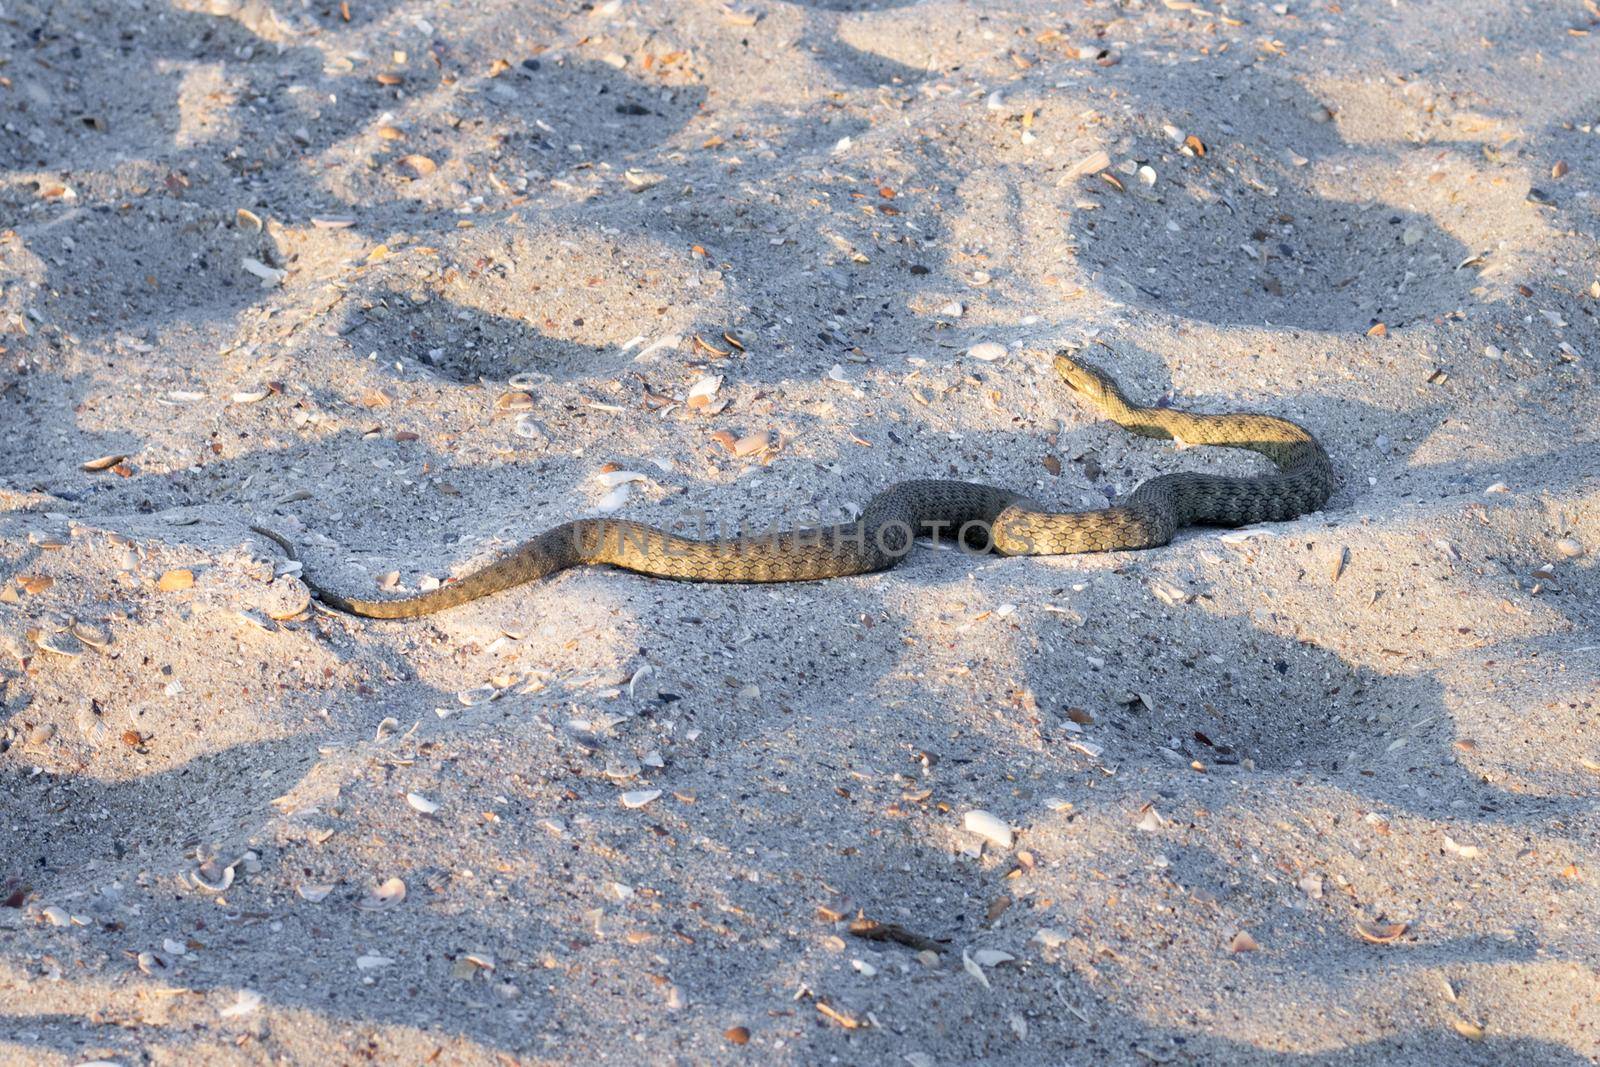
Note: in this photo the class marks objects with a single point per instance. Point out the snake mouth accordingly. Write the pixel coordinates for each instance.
(1069, 370)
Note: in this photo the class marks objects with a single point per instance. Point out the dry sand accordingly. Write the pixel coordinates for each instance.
(1220, 758)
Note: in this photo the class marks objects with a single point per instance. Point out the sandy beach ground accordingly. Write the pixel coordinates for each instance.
(407, 280)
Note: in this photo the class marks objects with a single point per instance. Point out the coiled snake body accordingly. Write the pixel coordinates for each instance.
(981, 515)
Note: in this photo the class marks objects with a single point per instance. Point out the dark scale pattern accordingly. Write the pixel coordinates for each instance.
(892, 519)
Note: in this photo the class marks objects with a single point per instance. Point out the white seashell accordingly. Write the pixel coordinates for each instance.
(668, 342)
(270, 276)
(953, 310)
(247, 1001)
(705, 388)
(383, 896)
(315, 893)
(866, 969)
(836, 374)
(1151, 823)
(251, 396)
(986, 825)
(991, 957)
(638, 798)
(385, 728)
(57, 915)
(972, 967)
(421, 803)
(988, 351)
(372, 962)
(1466, 852)
(1570, 547)
(612, 479)
(613, 500)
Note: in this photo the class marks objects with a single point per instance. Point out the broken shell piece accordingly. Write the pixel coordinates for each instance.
(270, 276)
(381, 897)
(1381, 933)
(315, 893)
(987, 826)
(175, 580)
(478, 694)
(640, 180)
(701, 392)
(93, 636)
(153, 965)
(638, 798)
(61, 643)
(613, 501)
(419, 166)
(421, 803)
(1093, 163)
(516, 400)
(211, 877)
(622, 768)
(752, 443)
(104, 462)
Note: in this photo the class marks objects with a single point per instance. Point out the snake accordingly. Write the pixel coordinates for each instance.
(982, 517)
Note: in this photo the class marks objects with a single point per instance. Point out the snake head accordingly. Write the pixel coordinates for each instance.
(1080, 377)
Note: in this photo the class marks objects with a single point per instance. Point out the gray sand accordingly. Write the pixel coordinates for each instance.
(405, 283)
